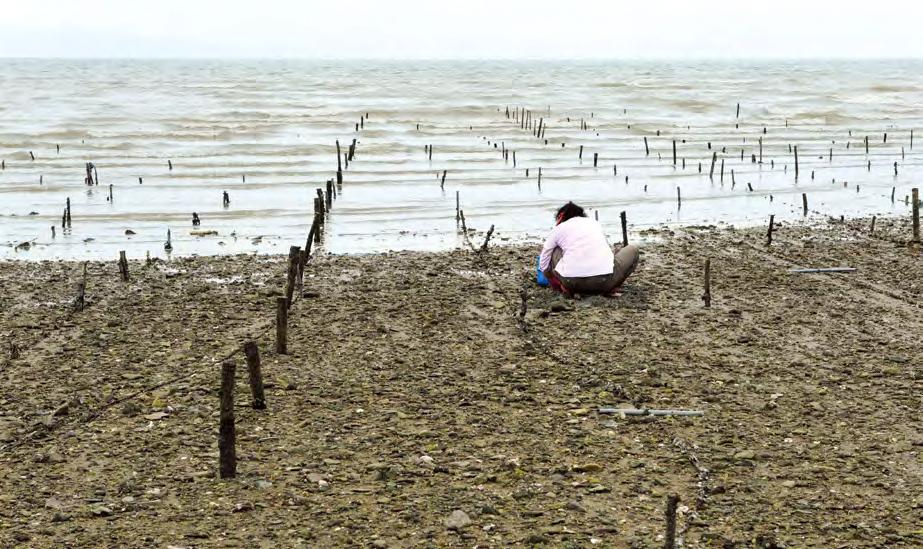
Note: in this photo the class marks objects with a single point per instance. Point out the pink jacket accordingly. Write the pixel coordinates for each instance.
(586, 251)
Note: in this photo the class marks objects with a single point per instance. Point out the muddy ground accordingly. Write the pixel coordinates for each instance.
(412, 391)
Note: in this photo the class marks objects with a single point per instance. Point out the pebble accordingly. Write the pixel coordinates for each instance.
(457, 520)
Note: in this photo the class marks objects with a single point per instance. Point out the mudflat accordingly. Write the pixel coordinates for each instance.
(417, 407)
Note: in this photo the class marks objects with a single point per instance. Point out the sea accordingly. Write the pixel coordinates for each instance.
(167, 138)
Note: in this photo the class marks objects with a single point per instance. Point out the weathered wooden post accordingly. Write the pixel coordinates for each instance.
(294, 255)
(281, 326)
(624, 218)
(804, 202)
(647, 150)
(772, 219)
(123, 266)
(669, 538)
(227, 435)
(457, 206)
(796, 161)
(252, 352)
(915, 196)
(674, 152)
(706, 296)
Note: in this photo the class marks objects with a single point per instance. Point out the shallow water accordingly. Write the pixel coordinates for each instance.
(276, 122)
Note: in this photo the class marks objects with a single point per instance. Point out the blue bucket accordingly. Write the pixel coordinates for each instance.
(539, 275)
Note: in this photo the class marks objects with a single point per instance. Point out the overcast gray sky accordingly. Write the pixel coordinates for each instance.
(464, 29)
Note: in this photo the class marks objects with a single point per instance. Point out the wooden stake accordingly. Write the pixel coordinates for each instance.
(339, 163)
(669, 541)
(457, 207)
(281, 326)
(123, 266)
(442, 183)
(595, 159)
(647, 151)
(294, 256)
(796, 161)
(674, 152)
(624, 219)
(714, 159)
(915, 196)
(252, 352)
(706, 297)
(80, 300)
(892, 194)
(490, 233)
(772, 219)
(580, 156)
(872, 228)
(679, 198)
(804, 202)
(227, 435)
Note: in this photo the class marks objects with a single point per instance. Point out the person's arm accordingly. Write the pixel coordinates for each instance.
(550, 244)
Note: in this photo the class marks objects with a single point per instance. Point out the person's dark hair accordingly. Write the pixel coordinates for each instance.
(568, 211)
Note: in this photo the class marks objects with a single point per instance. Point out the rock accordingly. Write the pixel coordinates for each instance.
(243, 507)
(130, 409)
(263, 484)
(575, 506)
(62, 410)
(129, 232)
(457, 520)
(59, 517)
(597, 489)
(536, 539)
(788, 483)
(744, 454)
(588, 468)
(156, 416)
(489, 510)
(100, 510)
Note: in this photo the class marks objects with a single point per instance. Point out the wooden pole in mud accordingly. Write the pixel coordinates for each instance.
(294, 255)
(227, 434)
(580, 156)
(457, 207)
(68, 212)
(796, 161)
(490, 233)
(772, 219)
(669, 538)
(714, 159)
(624, 218)
(866, 144)
(170, 165)
(706, 297)
(722, 171)
(872, 228)
(252, 352)
(911, 140)
(281, 326)
(80, 300)
(339, 162)
(892, 194)
(915, 196)
(595, 159)
(647, 150)
(330, 192)
(679, 198)
(804, 202)
(761, 150)
(674, 152)
(442, 183)
(123, 266)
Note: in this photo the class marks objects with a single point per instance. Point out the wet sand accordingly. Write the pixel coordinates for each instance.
(412, 391)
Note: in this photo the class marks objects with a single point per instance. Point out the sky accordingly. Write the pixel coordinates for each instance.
(468, 29)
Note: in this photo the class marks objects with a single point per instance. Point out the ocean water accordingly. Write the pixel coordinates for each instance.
(266, 132)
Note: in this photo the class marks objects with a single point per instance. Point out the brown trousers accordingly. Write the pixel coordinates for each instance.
(626, 260)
